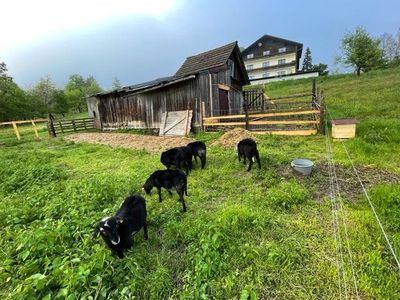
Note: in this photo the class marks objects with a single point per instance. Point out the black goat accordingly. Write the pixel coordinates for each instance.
(117, 231)
(179, 157)
(247, 148)
(199, 150)
(168, 179)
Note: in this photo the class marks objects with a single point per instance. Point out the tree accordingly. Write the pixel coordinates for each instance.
(307, 62)
(361, 51)
(14, 102)
(391, 48)
(77, 88)
(116, 84)
(60, 103)
(46, 91)
(322, 69)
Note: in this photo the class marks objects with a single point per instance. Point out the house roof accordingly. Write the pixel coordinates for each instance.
(271, 37)
(206, 60)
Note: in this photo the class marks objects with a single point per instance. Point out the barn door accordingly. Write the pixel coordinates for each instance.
(223, 102)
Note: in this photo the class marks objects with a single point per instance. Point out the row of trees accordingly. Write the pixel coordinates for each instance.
(44, 97)
(362, 52)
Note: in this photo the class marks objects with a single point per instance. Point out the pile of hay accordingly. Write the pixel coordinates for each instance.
(231, 138)
(132, 141)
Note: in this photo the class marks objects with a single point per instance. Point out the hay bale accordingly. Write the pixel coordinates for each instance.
(231, 138)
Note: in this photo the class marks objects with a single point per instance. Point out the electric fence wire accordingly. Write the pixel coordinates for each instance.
(343, 215)
(369, 201)
(339, 254)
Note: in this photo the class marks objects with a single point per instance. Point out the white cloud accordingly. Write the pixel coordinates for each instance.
(25, 21)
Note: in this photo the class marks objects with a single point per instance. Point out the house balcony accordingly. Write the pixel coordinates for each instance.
(272, 67)
(261, 56)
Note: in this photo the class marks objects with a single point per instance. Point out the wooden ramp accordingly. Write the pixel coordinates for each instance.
(176, 123)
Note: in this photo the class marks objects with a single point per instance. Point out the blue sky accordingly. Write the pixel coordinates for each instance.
(138, 41)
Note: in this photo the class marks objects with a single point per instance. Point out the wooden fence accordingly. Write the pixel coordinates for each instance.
(68, 126)
(15, 124)
(300, 114)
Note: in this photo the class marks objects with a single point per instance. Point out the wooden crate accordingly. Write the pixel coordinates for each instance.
(344, 128)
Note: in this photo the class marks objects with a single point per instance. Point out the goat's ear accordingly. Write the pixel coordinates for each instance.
(95, 231)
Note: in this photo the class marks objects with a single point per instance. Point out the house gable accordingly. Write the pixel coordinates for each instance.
(269, 45)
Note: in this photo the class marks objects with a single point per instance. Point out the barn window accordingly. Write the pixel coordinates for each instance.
(251, 55)
(282, 49)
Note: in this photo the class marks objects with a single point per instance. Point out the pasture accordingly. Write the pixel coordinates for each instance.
(262, 234)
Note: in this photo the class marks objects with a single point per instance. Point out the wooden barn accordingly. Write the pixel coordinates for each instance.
(209, 84)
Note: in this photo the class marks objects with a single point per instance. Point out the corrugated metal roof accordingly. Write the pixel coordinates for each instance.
(206, 60)
(146, 86)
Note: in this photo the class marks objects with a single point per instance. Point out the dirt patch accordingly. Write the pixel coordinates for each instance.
(131, 141)
(349, 187)
(231, 138)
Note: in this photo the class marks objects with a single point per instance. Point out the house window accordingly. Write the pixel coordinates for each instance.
(282, 49)
(251, 55)
(281, 61)
(265, 64)
(265, 74)
(280, 73)
(249, 67)
(267, 52)
(251, 77)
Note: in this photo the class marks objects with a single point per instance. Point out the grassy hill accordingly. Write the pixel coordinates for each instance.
(373, 99)
(264, 234)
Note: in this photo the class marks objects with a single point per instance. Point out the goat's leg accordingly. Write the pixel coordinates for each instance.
(244, 159)
(239, 156)
(195, 158)
(159, 194)
(250, 164)
(146, 237)
(258, 160)
(180, 193)
(203, 160)
(120, 253)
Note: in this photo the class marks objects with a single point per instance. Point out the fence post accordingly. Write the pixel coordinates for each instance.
(314, 86)
(322, 116)
(50, 126)
(62, 129)
(73, 125)
(16, 130)
(34, 128)
(246, 112)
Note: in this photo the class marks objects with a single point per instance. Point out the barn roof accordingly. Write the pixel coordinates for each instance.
(192, 66)
(206, 60)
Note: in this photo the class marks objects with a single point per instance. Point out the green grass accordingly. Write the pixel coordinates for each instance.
(262, 234)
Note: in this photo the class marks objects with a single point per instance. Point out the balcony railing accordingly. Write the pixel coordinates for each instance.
(272, 54)
(292, 63)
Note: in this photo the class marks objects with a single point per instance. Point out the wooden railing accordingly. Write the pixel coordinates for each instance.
(67, 126)
(15, 126)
